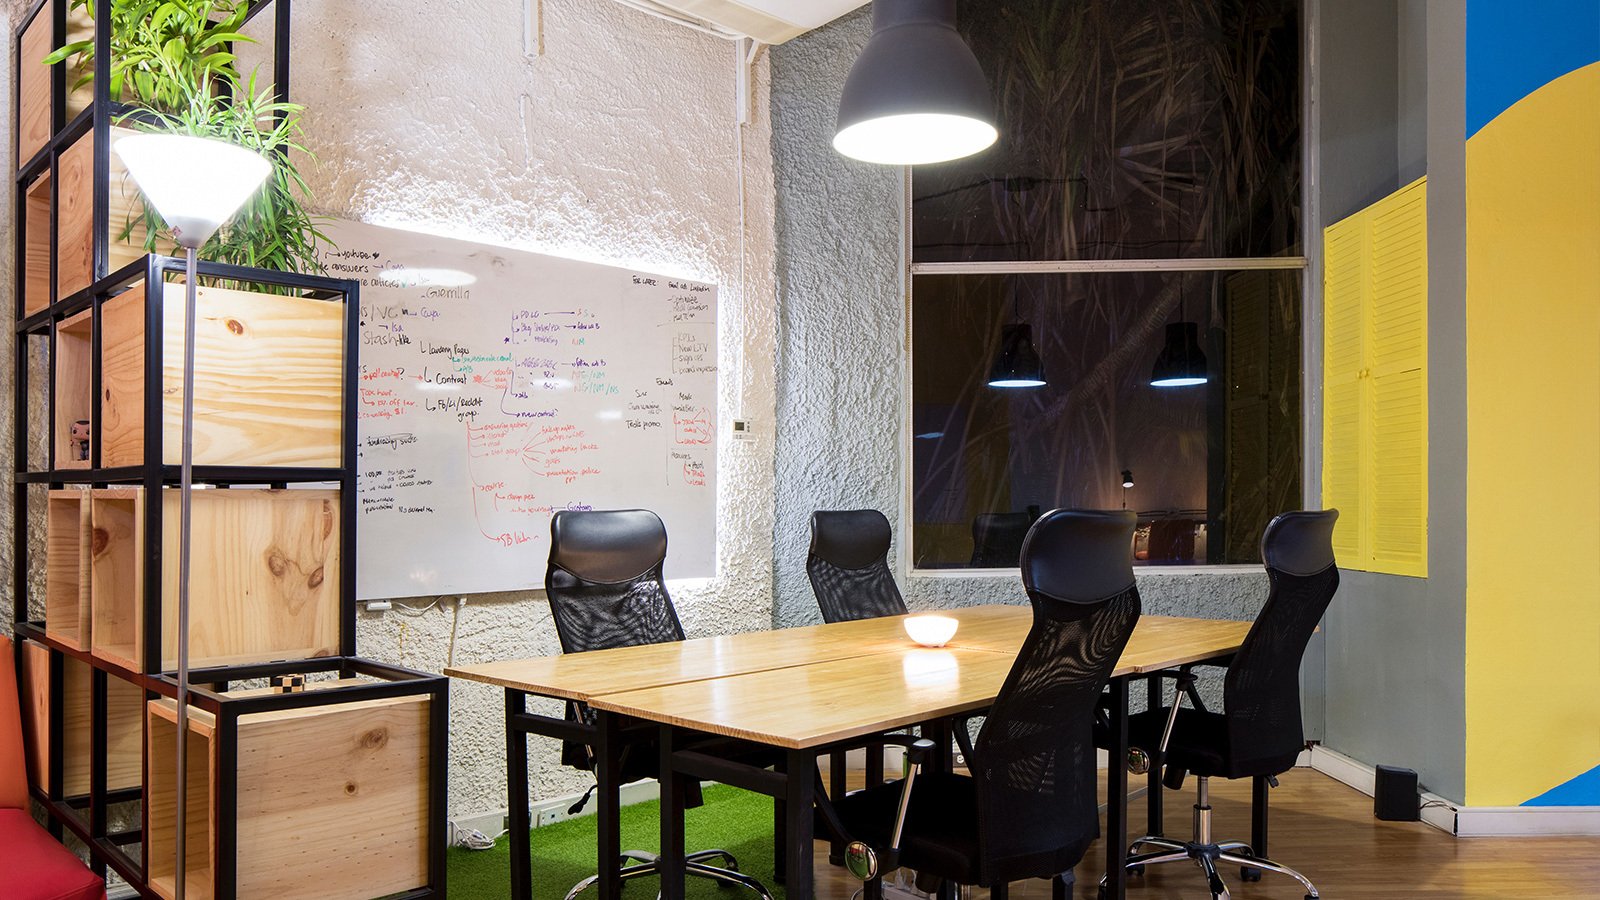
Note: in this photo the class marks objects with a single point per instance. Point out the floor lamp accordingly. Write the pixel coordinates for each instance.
(195, 184)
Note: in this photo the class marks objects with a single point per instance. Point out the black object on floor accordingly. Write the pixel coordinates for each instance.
(1394, 795)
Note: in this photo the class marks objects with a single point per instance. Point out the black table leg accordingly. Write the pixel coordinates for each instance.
(780, 830)
(799, 805)
(836, 790)
(671, 860)
(874, 765)
(942, 760)
(1152, 797)
(517, 797)
(1117, 793)
(608, 814)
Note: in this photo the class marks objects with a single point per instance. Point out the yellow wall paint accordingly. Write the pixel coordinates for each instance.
(1533, 443)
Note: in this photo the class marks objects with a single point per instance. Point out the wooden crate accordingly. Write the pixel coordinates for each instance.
(268, 379)
(75, 230)
(74, 387)
(124, 724)
(66, 575)
(33, 88)
(80, 27)
(331, 801)
(264, 579)
(36, 258)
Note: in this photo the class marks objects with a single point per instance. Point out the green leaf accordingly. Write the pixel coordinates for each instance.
(66, 50)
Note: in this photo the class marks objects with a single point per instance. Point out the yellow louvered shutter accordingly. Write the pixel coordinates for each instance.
(1343, 359)
(1375, 386)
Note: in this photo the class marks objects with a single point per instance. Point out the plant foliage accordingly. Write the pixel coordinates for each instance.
(174, 67)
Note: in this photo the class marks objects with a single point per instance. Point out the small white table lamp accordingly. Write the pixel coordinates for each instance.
(195, 184)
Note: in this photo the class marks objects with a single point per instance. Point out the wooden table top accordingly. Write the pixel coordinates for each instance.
(820, 703)
(584, 676)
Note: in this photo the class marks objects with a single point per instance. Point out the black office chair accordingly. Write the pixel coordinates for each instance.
(1258, 733)
(849, 565)
(606, 590)
(1029, 808)
(997, 539)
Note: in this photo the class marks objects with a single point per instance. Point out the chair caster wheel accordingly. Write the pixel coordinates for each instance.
(1136, 870)
(1249, 874)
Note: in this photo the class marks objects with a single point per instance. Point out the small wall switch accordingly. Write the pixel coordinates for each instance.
(379, 606)
(742, 430)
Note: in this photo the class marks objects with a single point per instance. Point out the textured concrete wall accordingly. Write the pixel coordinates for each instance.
(618, 144)
(842, 401)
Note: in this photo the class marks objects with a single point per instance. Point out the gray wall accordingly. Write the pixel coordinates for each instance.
(842, 402)
(1391, 101)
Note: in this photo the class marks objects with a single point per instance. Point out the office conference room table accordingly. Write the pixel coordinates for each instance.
(806, 691)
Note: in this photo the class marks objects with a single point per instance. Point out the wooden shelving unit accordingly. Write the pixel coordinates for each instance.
(336, 790)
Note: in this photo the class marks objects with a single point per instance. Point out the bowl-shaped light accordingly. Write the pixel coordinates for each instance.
(195, 184)
(931, 630)
(916, 94)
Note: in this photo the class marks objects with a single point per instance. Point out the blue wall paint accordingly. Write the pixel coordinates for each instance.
(1516, 46)
(1581, 791)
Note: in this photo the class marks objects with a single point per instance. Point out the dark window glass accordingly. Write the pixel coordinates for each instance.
(1128, 129)
(1211, 464)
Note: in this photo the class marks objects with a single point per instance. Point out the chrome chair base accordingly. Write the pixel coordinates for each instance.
(696, 865)
(1207, 854)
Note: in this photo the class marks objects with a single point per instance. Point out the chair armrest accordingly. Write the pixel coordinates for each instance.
(1185, 679)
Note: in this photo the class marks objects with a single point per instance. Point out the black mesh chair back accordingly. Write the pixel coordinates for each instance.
(1034, 762)
(997, 539)
(849, 565)
(604, 580)
(1261, 696)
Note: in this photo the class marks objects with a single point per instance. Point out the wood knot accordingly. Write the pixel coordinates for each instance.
(276, 564)
(375, 739)
(315, 581)
(98, 541)
(350, 789)
(235, 326)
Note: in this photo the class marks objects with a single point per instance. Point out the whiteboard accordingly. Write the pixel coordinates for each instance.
(497, 386)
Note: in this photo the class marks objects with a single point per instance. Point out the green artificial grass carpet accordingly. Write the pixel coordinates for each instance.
(564, 853)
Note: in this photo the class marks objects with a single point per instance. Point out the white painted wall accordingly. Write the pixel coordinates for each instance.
(619, 145)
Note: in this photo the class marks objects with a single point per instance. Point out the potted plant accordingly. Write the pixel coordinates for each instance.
(173, 68)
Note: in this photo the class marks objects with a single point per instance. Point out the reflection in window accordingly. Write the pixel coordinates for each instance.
(1209, 464)
(1131, 131)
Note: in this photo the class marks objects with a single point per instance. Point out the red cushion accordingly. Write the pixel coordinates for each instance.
(38, 868)
(13, 771)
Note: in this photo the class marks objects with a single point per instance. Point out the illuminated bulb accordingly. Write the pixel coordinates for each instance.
(931, 630)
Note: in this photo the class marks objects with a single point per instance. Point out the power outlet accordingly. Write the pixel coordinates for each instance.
(550, 816)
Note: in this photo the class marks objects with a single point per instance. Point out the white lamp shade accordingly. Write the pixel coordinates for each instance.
(931, 630)
(195, 184)
(915, 139)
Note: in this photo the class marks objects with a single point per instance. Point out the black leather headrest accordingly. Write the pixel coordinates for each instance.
(1079, 555)
(850, 538)
(1300, 543)
(607, 546)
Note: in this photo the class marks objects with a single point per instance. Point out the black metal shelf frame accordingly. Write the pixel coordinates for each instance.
(85, 816)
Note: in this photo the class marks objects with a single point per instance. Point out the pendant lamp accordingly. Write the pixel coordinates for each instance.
(1018, 364)
(1181, 363)
(916, 94)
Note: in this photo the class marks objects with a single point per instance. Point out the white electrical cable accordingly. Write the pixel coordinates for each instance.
(650, 9)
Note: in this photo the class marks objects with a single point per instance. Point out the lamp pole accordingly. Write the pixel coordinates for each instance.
(195, 184)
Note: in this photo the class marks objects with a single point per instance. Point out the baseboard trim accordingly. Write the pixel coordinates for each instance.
(1467, 821)
(549, 812)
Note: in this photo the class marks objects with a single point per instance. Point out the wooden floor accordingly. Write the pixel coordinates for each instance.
(1326, 830)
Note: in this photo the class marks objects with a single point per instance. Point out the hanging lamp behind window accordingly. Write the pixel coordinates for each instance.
(916, 94)
(1018, 364)
(1181, 363)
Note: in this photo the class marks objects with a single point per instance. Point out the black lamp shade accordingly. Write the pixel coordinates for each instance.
(1018, 364)
(916, 94)
(1181, 363)
(1127, 478)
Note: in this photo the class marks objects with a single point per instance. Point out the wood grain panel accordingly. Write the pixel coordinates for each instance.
(124, 212)
(74, 387)
(268, 379)
(75, 216)
(124, 735)
(33, 88)
(116, 575)
(66, 577)
(36, 259)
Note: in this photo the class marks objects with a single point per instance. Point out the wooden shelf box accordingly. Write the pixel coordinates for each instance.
(37, 236)
(268, 379)
(264, 578)
(124, 724)
(330, 801)
(74, 388)
(66, 577)
(75, 226)
(34, 126)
